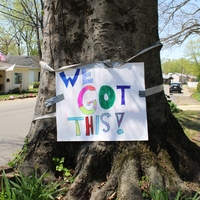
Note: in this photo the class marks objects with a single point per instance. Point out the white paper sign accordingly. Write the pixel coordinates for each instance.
(101, 104)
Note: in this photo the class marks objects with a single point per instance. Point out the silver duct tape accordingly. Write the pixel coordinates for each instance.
(53, 100)
(158, 44)
(151, 91)
(51, 115)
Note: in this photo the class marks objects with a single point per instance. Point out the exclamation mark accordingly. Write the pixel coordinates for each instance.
(119, 117)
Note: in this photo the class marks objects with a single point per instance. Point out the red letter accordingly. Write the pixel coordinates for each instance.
(89, 126)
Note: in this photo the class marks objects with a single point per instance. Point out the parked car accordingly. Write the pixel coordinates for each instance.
(175, 87)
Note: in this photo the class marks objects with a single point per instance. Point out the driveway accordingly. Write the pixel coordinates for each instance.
(183, 100)
(15, 120)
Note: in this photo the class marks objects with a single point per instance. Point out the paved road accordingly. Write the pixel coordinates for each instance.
(183, 100)
(15, 121)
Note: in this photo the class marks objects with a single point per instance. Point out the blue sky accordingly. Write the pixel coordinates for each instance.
(187, 15)
(176, 51)
(172, 53)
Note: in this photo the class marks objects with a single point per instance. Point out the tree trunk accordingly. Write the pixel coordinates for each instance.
(80, 31)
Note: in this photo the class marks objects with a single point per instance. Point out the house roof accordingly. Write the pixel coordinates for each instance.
(4, 65)
(26, 61)
(178, 74)
(165, 76)
(20, 61)
(191, 76)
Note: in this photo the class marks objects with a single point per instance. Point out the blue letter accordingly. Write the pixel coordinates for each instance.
(76, 119)
(72, 80)
(85, 75)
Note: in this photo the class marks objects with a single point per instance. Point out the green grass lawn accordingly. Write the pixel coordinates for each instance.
(196, 94)
(190, 122)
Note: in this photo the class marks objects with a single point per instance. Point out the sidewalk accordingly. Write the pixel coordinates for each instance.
(189, 107)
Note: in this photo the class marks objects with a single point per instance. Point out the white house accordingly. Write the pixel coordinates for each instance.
(26, 71)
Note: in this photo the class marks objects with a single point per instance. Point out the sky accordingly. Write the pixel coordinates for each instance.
(187, 15)
(172, 53)
(176, 51)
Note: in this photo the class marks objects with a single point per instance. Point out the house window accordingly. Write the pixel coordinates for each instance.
(17, 78)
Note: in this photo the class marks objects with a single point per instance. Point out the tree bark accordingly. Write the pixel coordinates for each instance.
(80, 31)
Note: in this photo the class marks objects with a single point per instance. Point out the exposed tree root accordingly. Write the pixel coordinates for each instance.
(125, 176)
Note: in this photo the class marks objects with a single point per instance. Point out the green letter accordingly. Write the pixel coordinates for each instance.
(110, 99)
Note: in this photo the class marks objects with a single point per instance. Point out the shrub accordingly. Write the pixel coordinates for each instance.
(198, 87)
(173, 107)
(63, 171)
(15, 91)
(36, 84)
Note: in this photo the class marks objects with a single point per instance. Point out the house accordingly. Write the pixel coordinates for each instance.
(192, 81)
(166, 79)
(18, 71)
(191, 78)
(178, 77)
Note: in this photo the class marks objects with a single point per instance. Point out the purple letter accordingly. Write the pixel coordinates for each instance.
(123, 87)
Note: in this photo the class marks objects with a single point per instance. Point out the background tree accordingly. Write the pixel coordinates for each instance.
(181, 65)
(189, 64)
(7, 43)
(84, 31)
(178, 20)
(26, 20)
(192, 52)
